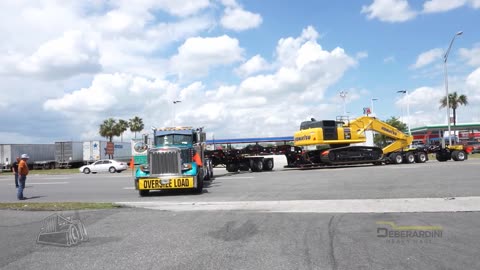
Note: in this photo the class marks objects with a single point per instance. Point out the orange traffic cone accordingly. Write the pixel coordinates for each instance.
(132, 163)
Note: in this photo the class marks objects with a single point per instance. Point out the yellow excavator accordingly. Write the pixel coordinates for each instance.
(332, 141)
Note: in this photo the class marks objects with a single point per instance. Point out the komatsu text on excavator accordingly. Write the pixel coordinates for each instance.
(332, 140)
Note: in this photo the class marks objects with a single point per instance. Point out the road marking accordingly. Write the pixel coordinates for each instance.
(46, 177)
(407, 205)
(48, 183)
(129, 188)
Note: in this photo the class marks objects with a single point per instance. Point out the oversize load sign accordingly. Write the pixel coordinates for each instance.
(173, 183)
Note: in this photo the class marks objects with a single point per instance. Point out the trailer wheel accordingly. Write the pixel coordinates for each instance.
(409, 157)
(396, 158)
(143, 192)
(112, 169)
(231, 167)
(421, 157)
(86, 171)
(268, 164)
(257, 166)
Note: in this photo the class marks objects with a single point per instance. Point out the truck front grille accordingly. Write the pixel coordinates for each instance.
(165, 161)
(187, 155)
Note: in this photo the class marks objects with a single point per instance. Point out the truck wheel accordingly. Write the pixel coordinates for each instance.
(86, 171)
(454, 155)
(268, 164)
(112, 169)
(396, 158)
(409, 157)
(143, 192)
(199, 188)
(421, 157)
(442, 157)
(460, 156)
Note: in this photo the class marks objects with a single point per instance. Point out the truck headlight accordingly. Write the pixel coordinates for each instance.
(144, 168)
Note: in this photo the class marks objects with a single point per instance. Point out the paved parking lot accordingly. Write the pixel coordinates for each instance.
(334, 218)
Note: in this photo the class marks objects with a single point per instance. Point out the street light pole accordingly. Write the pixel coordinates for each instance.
(445, 58)
(408, 110)
(343, 95)
(175, 102)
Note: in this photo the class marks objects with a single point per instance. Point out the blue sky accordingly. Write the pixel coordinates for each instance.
(241, 68)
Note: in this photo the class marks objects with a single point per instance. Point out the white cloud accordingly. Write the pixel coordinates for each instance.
(113, 93)
(305, 69)
(252, 66)
(198, 55)
(473, 85)
(181, 8)
(389, 11)
(361, 55)
(73, 53)
(437, 6)
(433, 6)
(471, 56)
(421, 100)
(271, 104)
(428, 57)
(238, 19)
(389, 59)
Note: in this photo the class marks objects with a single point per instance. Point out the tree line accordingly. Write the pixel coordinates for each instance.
(111, 128)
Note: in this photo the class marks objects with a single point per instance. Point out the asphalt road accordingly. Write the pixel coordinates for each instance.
(430, 180)
(278, 236)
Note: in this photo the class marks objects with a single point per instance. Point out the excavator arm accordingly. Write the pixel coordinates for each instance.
(400, 139)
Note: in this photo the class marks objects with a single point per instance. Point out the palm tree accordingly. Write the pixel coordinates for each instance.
(136, 125)
(108, 129)
(121, 127)
(454, 101)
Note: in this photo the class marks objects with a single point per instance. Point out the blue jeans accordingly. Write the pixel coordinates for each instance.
(16, 180)
(21, 185)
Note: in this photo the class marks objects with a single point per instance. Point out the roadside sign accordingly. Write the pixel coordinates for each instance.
(110, 148)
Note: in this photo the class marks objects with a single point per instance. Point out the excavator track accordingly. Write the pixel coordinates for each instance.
(351, 155)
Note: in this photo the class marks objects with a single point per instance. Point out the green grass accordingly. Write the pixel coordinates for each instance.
(56, 206)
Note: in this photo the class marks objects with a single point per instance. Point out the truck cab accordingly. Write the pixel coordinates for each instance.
(169, 161)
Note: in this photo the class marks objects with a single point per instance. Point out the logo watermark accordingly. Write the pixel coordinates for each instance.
(393, 233)
(60, 230)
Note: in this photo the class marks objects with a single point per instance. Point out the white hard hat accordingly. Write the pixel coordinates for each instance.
(24, 156)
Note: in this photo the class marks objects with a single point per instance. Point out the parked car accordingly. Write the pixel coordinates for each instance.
(105, 165)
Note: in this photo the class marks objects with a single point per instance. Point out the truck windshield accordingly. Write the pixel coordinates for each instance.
(173, 139)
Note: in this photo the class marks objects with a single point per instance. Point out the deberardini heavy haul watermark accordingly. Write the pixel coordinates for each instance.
(395, 234)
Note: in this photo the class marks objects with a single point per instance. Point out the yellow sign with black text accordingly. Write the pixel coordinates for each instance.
(172, 183)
